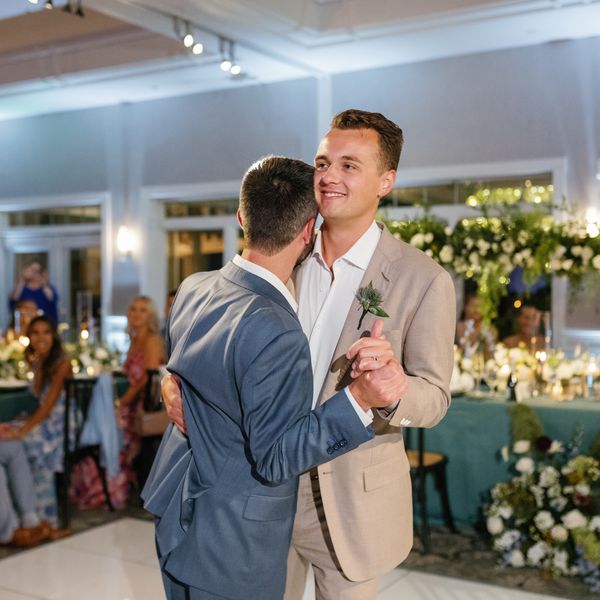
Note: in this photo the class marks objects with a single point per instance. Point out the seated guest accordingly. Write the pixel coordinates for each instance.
(34, 285)
(528, 332)
(19, 522)
(472, 331)
(146, 351)
(42, 432)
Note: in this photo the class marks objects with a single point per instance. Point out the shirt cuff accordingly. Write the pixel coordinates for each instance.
(365, 417)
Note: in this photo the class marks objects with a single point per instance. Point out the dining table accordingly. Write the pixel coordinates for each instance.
(472, 434)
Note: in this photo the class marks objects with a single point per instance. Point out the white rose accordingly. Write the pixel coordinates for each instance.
(495, 525)
(555, 264)
(446, 254)
(555, 447)
(536, 553)
(468, 243)
(559, 533)
(516, 559)
(576, 250)
(595, 523)
(467, 382)
(508, 246)
(417, 240)
(567, 264)
(428, 237)
(543, 520)
(525, 465)
(505, 511)
(521, 446)
(596, 262)
(560, 250)
(523, 237)
(574, 519)
(582, 489)
(483, 246)
(474, 259)
(429, 252)
(448, 230)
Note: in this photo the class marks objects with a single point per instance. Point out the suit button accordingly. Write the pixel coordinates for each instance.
(343, 443)
(330, 450)
(336, 446)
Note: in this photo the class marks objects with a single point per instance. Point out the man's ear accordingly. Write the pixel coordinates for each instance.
(239, 218)
(308, 231)
(388, 178)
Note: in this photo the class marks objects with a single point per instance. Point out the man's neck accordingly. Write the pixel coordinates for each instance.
(280, 264)
(337, 238)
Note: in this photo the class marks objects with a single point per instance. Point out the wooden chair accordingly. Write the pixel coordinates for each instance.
(422, 463)
(151, 425)
(78, 397)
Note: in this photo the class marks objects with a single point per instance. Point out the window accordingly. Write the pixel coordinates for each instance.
(68, 215)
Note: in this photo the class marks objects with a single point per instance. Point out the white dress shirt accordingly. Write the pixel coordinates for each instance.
(325, 297)
(268, 276)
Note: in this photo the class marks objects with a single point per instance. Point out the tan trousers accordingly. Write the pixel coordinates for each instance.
(311, 545)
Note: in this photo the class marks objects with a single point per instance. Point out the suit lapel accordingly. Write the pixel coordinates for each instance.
(379, 272)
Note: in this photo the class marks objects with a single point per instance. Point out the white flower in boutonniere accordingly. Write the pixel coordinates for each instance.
(370, 300)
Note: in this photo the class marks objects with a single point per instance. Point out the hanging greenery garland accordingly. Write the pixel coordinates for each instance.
(487, 248)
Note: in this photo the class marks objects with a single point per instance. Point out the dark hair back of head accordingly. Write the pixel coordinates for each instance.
(276, 201)
(391, 138)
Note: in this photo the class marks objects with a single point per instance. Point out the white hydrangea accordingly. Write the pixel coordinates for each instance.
(583, 489)
(566, 265)
(555, 447)
(595, 523)
(417, 240)
(596, 262)
(536, 553)
(428, 237)
(507, 539)
(548, 477)
(558, 504)
(543, 520)
(560, 561)
(574, 519)
(505, 511)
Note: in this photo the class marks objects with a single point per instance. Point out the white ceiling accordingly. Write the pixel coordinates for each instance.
(274, 40)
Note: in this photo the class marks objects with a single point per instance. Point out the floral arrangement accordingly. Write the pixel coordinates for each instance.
(12, 360)
(92, 359)
(489, 247)
(547, 515)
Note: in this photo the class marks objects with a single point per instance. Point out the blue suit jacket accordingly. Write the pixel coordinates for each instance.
(225, 496)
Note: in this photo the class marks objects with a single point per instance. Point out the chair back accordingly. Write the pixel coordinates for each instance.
(420, 446)
(78, 397)
(152, 393)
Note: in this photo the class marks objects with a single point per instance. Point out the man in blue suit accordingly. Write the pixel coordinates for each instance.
(224, 497)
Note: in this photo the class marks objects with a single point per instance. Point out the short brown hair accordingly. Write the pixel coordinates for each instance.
(391, 138)
(276, 200)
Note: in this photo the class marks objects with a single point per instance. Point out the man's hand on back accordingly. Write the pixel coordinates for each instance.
(171, 395)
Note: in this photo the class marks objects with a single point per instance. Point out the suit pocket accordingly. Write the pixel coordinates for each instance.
(379, 475)
(269, 508)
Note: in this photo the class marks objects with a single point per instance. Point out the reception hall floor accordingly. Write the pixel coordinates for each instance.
(116, 561)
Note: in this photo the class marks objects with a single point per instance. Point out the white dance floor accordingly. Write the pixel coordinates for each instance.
(117, 562)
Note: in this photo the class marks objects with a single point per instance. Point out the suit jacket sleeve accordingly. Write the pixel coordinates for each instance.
(284, 438)
(428, 358)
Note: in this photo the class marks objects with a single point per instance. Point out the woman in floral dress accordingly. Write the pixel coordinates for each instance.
(146, 351)
(42, 432)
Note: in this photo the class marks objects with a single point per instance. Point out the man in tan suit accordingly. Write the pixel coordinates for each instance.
(354, 515)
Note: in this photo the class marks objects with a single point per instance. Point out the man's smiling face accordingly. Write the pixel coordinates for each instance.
(348, 177)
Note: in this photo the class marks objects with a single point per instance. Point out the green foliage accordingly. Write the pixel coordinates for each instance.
(525, 424)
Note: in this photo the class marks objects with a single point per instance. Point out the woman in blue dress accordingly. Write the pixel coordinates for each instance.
(42, 432)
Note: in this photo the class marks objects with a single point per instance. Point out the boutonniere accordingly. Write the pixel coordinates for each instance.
(370, 300)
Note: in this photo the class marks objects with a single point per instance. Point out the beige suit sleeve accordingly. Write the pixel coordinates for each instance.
(428, 358)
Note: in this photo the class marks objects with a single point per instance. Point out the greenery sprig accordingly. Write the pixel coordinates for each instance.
(370, 299)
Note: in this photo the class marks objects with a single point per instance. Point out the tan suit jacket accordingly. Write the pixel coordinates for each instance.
(367, 493)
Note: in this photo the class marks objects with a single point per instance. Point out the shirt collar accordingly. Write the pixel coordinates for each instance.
(268, 276)
(360, 253)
